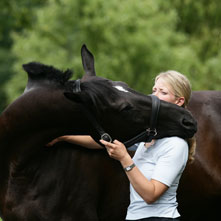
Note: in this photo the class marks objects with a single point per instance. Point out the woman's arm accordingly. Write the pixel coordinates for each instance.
(149, 190)
(85, 141)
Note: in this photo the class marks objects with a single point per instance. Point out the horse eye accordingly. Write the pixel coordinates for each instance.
(126, 107)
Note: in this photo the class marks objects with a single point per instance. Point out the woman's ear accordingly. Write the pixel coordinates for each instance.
(180, 101)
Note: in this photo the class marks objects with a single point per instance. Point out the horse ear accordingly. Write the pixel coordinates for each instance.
(76, 97)
(87, 61)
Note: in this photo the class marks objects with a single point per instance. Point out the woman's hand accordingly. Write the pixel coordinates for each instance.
(116, 150)
(54, 141)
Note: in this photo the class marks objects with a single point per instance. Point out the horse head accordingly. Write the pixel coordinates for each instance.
(123, 112)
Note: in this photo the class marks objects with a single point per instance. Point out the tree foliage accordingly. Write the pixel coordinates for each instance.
(14, 17)
(132, 40)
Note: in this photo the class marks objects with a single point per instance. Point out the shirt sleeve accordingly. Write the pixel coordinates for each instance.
(171, 162)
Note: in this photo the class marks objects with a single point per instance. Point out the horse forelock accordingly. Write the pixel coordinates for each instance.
(100, 92)
(37, 71)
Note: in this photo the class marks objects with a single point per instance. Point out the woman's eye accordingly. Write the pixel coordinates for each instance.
(164, 93)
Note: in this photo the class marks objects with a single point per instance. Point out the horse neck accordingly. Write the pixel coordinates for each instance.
(31, 122)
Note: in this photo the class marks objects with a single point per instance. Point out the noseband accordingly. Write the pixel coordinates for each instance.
(145, 136)
(148, 134)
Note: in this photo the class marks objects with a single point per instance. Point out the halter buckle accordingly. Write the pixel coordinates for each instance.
(106, 137)
(77, 87)
(152, 132)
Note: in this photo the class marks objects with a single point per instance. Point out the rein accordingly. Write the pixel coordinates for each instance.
(145, 136)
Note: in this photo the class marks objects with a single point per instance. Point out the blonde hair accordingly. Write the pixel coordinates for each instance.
(179, 84)
(181, 87)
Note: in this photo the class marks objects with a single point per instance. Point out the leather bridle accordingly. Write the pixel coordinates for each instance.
(145, 136)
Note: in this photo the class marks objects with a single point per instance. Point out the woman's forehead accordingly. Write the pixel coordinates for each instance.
(162, 84)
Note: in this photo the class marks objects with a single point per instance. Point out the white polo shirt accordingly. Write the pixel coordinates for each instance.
(164, 161)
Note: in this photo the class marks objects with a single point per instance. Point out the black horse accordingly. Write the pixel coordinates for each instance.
(68, 182)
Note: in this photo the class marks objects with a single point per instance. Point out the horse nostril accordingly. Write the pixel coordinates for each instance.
(190, 125)
(187, 123)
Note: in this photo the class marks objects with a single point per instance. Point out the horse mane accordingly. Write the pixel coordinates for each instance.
(38, 71)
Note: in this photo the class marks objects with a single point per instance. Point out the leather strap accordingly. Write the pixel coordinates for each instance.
(145, 136)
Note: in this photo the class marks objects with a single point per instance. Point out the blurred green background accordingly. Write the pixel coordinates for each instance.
(132, 40)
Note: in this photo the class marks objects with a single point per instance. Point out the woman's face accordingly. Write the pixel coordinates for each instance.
(165, 93)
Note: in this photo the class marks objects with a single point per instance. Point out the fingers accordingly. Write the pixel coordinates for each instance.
(52, 142)
(115, 143)
(107, 144)
(110, 147)
(116, 150)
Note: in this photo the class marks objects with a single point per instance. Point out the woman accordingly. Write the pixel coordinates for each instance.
(155, 170)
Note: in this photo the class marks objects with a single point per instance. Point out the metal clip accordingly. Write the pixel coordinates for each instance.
(106, 137)
(152, 132)
(77, 87)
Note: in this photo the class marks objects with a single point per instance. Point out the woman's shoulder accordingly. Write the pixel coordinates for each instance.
(172, 144)
(172, 140)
